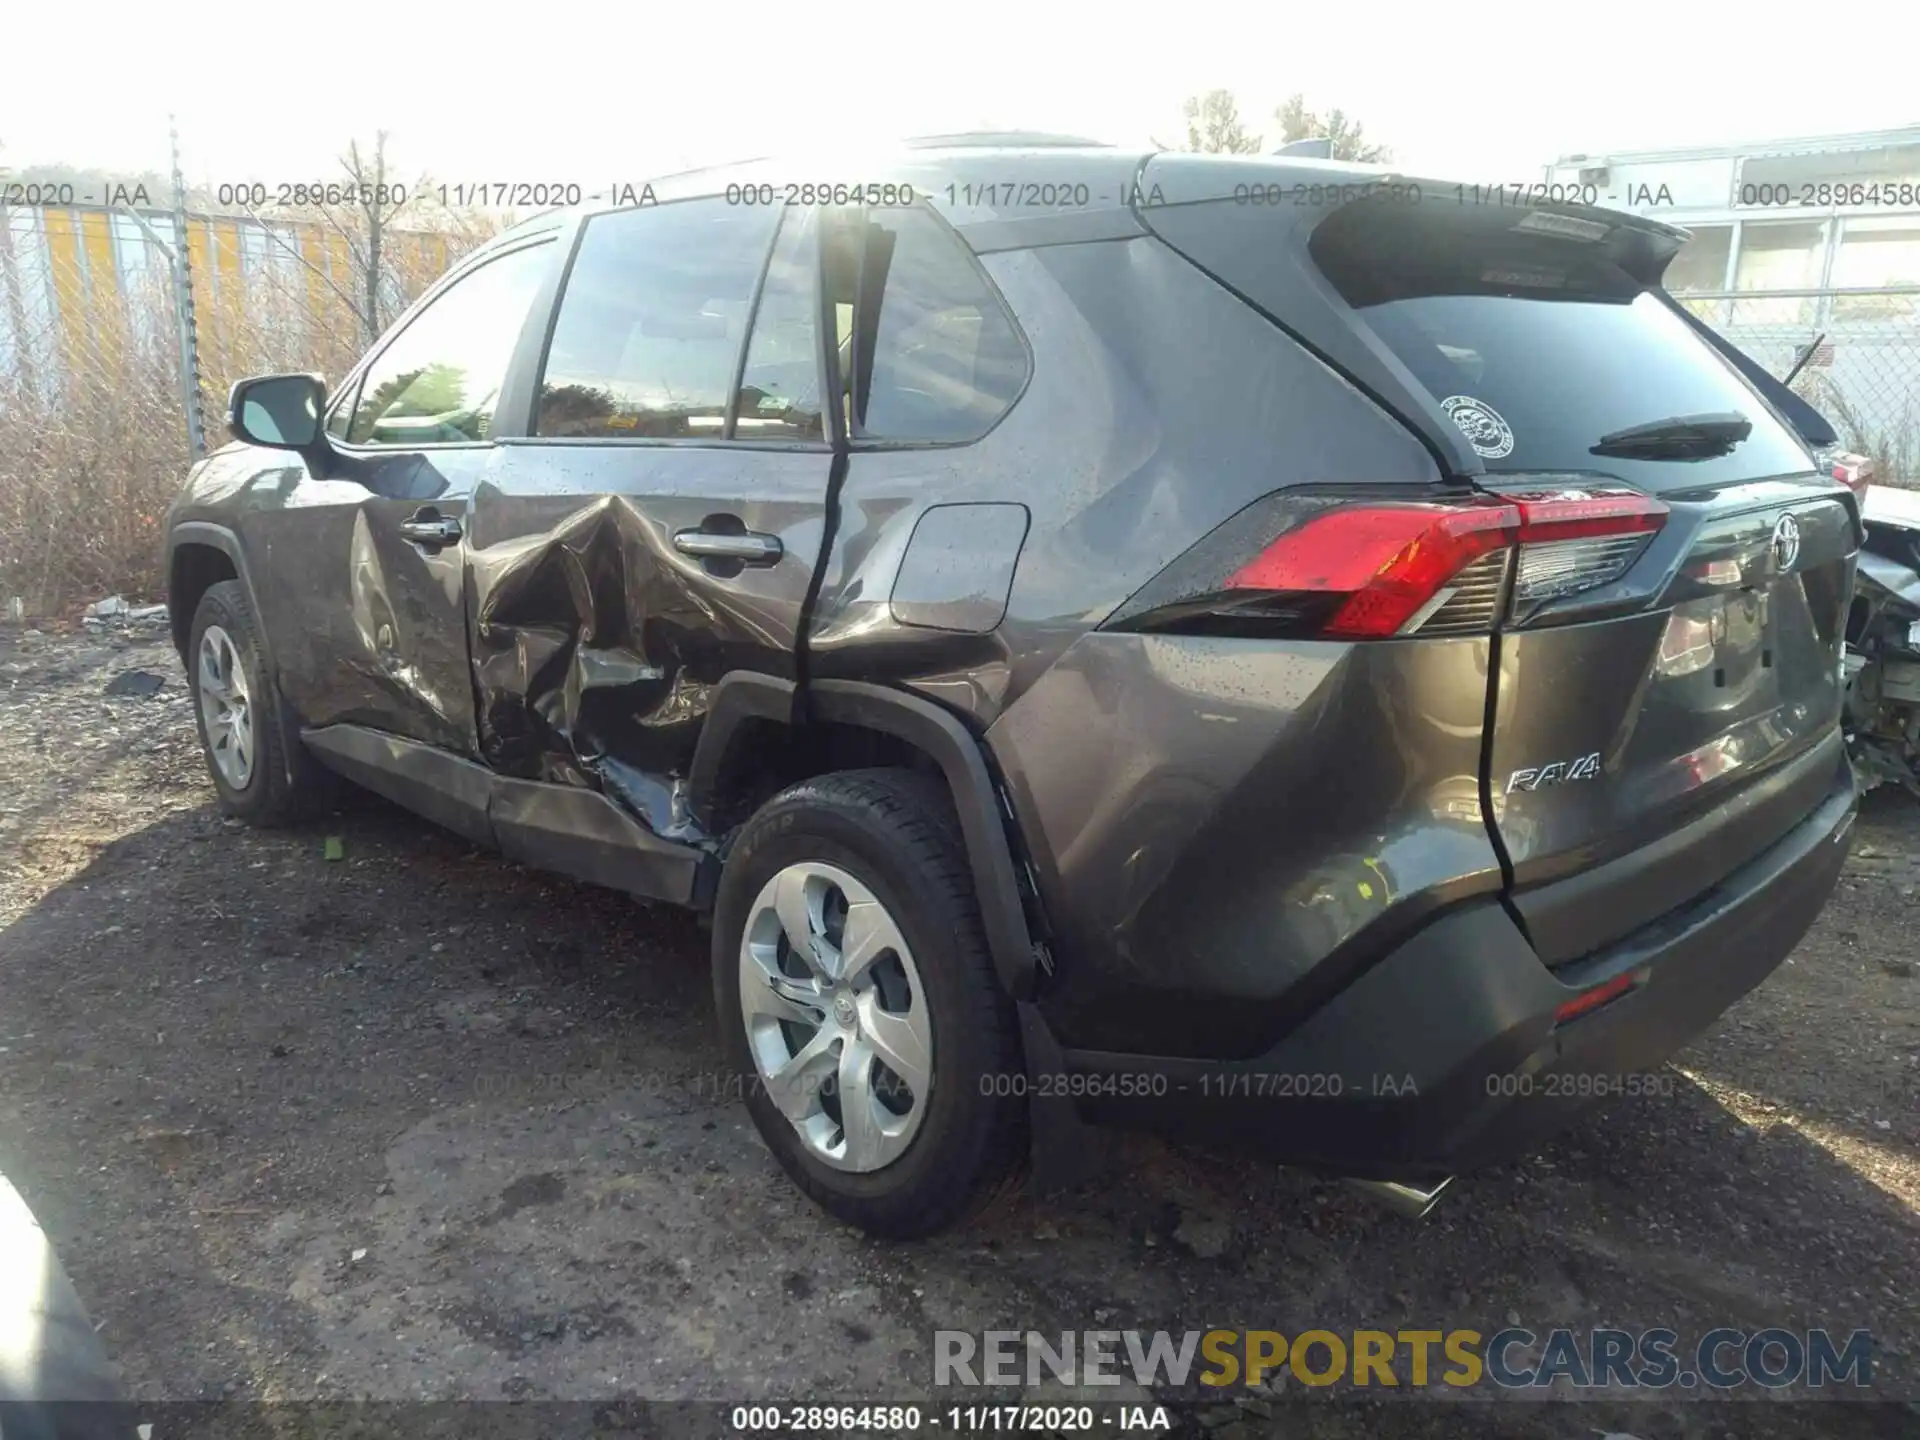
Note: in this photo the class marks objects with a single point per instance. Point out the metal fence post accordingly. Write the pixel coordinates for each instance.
(183, 306)
(16, 318)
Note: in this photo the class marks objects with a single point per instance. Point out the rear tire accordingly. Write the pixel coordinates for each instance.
(249, 736)
(885, 842)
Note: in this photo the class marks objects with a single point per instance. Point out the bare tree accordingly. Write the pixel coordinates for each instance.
(389, 241)
(1297, 122)
(1214, 126)
(92, 443)
(368, 209)
(373, 202)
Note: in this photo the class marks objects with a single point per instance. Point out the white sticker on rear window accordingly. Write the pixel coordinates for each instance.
(1481, 424)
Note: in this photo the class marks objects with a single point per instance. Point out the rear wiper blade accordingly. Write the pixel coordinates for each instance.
(1678, 437)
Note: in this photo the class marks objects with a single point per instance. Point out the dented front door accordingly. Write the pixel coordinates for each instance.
(360, 568)
(364, 608)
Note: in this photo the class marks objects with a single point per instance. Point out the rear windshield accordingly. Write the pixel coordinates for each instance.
(1537, 346)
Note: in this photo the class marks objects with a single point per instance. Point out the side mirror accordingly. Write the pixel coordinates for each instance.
(281, 412)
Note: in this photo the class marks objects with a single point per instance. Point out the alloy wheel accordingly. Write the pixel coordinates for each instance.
(226, 706)
(836, 1016)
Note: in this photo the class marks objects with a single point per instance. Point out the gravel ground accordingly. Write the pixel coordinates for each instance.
(421, 1123)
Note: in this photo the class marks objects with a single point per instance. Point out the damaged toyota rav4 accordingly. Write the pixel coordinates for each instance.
(1271, 652)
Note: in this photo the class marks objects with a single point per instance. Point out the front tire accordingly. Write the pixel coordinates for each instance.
(858, 1000)
(249, 736)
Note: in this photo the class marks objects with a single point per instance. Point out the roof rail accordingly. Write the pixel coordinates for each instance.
(1004, 139)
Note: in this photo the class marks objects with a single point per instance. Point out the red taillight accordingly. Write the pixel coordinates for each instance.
(1388, 560)
(1593, 999)
(1384, 564)
(1586, 516)
(1853, 471)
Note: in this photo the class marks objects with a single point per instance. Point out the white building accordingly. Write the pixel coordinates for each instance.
(1794, 241)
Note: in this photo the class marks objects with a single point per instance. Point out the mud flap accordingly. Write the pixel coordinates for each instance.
(1064, 1151)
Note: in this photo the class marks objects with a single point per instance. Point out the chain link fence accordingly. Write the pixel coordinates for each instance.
(1854, 355)
(103, 352)
(102, 347)
(92, 426)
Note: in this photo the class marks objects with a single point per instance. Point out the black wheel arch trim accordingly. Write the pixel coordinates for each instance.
(744, 695)
(180, 621)
(214, 537)
(740, 696)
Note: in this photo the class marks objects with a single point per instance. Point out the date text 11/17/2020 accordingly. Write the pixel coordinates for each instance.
(543, 194)
(1316, 1085)
(485, 194)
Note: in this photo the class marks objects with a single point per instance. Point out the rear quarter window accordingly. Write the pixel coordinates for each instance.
(943, 361)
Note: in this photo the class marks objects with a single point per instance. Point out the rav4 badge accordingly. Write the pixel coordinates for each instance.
(1536, 778)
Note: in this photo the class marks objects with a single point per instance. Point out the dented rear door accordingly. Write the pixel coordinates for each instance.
(659, 527)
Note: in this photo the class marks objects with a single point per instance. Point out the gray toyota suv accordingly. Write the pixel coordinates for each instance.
(1256, 647)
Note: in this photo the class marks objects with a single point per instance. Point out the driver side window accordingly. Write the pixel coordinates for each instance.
(439, 379)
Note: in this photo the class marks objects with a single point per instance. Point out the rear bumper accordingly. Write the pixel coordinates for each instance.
(1446, 1054)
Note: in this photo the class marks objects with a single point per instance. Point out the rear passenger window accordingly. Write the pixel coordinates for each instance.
(780, 386)
(649, 329)
(945, 362)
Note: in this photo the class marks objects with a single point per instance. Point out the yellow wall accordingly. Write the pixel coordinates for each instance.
(86, 290)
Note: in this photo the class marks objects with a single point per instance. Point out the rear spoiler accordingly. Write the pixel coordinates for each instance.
(1811, 426)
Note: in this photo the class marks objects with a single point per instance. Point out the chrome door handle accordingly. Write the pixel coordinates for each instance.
(751, 548)
(434, 530)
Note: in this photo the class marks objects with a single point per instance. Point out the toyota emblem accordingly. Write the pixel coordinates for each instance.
(1786, 543)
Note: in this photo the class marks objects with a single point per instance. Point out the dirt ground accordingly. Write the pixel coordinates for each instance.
(417, 1123)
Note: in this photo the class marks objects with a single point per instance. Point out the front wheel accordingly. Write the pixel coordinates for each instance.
(260, 770)
(858, 1000)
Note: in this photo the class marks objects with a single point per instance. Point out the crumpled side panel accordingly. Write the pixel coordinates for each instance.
(391, 643)
(366, 626)
(596, 643)
(581, 675)
(862, 632)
